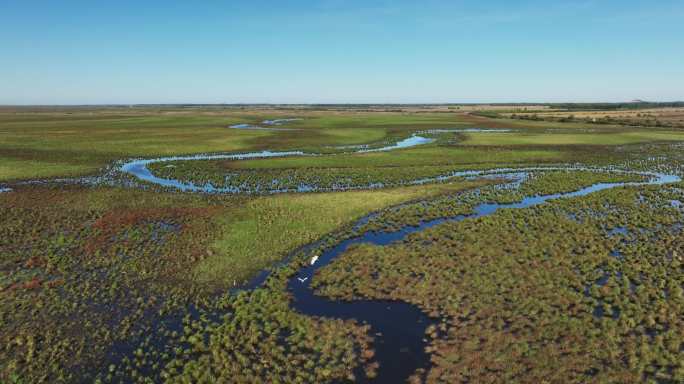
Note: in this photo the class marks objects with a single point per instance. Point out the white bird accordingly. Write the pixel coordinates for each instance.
(302, 280)
(314, 259)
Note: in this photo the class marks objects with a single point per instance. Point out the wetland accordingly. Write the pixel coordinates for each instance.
(171, 245)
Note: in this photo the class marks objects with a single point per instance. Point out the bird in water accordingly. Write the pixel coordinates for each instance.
(314, 259)
(301, 280)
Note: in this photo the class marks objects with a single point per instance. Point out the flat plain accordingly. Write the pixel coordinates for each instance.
(271, 241)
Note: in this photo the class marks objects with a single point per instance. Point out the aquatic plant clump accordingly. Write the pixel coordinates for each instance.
(296, 179)
(81, 270)
(94, 285)
(252, 337)
(131, 269)
(535, 183)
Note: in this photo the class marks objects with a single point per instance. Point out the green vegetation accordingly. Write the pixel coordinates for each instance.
(71, 142)
(538, 295)
(347, 171)
(83, 142)
(80, 269)
(17, 169)
(451, 205)
(45, 143)
(573, 138)
(111, 283)
(618, 115)
(420, 156)
(259, 339)
(70, 253)
(264, 230)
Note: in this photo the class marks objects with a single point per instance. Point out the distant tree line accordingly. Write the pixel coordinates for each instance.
(642, 120)
(616, 106)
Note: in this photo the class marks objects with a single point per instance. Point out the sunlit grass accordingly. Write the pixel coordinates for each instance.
(432, 155)
(617, 138)
(265, 229)
(35, 145)
(11, 169)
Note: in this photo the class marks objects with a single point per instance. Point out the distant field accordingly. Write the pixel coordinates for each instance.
(39, 143)
(47, 145)
(35, 144)
(650, 117)
(573, 139)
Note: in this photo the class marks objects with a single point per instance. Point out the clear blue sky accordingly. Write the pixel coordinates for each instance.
(71, 52)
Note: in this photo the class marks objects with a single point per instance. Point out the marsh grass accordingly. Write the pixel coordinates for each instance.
(79, 141)
(265, 229)
(535, 295)
(606, 138)
(39, 143)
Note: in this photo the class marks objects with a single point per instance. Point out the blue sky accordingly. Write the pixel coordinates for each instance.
(94, 52)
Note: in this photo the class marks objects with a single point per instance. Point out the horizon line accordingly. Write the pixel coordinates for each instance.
(130, 105)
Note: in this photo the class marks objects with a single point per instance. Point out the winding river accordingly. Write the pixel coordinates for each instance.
(399, 327)
(400, 349)
(138, 167)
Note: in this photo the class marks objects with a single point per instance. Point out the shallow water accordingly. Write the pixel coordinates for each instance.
(138, 168)
(241, 126)
(279, 121)
(270, 123)
(412, 141)
(465, 130)
(618, 231)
